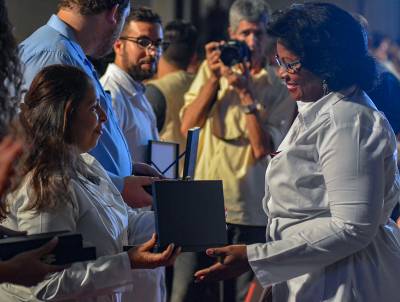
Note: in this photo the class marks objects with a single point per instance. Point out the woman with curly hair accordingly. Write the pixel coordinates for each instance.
(334, 181)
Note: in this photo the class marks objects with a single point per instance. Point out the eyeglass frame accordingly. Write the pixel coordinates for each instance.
(157, 45)
(289, 67)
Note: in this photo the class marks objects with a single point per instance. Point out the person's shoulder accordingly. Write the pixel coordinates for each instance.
(46, 39)
(357, 109)
(173, 81)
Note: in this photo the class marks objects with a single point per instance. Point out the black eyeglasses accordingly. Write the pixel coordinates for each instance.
(290, 67)
(146, 43)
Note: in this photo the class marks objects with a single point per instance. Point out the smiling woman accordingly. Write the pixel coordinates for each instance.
(334, 182)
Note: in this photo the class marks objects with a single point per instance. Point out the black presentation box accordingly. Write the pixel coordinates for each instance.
(69, 248)
(190, 214)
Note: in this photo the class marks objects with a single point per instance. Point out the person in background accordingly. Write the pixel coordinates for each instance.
(25, 268)
(166, 92)
(81, 28)
(244, 111)
(334, 182)
(137, 52)
(379, 44)
(64, 188)
(386, 97)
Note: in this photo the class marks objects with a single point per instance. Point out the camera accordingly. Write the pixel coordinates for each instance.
(234, 52)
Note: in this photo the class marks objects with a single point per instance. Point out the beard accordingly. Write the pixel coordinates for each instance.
(139, 74)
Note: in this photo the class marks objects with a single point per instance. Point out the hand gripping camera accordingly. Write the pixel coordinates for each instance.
(234, 52)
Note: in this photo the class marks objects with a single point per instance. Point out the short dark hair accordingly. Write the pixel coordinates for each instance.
(142, 14)
(92, 7)
(181, 40)
(329, 42)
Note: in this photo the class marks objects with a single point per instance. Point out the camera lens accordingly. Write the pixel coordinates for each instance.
(234, 52)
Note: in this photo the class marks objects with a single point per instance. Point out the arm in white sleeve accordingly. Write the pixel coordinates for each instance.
(80, 279)
(87, 279)
(352, 163)
(140, 226)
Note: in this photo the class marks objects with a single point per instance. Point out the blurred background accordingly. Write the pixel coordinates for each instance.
(209, 16)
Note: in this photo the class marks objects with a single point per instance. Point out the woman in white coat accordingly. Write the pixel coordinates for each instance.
(333, 183)
(65, 189)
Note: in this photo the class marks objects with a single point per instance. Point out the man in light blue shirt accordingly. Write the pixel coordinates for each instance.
(83, 28)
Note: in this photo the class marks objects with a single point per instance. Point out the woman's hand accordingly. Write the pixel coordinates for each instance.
(26, 268)
(234, 264)
(142, 257)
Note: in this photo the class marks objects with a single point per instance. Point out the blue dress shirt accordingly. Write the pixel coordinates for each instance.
(55, 43)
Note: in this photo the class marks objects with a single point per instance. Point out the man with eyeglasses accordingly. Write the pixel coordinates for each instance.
(137, 52)
(244, 112)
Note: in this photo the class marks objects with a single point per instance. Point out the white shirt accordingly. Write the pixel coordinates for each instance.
(329, 195)
(100, 215)
(134, 113)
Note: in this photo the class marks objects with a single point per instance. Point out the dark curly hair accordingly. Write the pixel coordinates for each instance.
(10, 73)
(93, 7)
(53, 159)
(329, 42)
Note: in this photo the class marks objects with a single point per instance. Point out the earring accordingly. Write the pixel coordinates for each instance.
(325, 87)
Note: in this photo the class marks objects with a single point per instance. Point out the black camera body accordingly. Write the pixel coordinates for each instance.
(234, 52)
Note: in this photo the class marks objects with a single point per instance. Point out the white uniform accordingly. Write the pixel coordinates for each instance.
(329, 194)
(100, 215)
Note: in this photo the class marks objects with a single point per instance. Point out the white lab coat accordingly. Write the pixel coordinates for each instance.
(329, 194)
(100, 215)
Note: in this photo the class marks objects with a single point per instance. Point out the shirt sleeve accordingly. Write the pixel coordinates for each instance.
(352, 163)
(140, 226)
(34, 64)
(201, 78)
(157, 101)
(81, 279)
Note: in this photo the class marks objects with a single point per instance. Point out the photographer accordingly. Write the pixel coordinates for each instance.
(244, 112)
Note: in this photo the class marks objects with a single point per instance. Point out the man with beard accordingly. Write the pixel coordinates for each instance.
(80, 28)
(137, 52)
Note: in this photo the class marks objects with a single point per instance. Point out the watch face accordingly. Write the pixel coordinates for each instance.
(248, 109)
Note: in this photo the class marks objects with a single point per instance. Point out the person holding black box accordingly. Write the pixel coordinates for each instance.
(333, 183)
(64, 188)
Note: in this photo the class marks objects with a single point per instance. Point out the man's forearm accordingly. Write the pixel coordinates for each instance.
(196, 113)
(260, 140)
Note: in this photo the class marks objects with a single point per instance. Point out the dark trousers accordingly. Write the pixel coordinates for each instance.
(183, 287)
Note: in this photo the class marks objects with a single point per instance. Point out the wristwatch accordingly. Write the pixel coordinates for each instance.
(250, 109)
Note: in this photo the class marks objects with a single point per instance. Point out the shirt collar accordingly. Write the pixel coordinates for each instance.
(64, 29)
(125, 78)
(308, 112)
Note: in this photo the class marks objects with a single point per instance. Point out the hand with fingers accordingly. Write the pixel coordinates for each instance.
(239, 79)
(142, 257)
(143, 169)
(134, 194)
(27, 269)
(234, 263)
(214, 62)
(10, 150)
